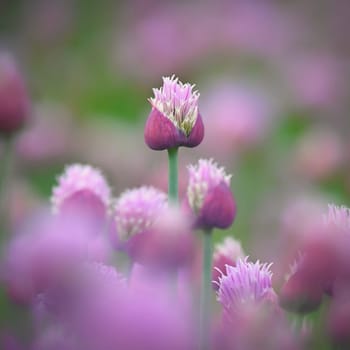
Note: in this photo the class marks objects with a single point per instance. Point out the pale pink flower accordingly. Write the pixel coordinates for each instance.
(209, 195)
(78, 178)
(136, 210)
(225, 253)
(244, 284)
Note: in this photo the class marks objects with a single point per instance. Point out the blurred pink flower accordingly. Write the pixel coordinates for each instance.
(338, 217)
(261, 28)
(307, 161)
(300, 293)
(85, 184)
(316, 80)
(48, 137)
(251, 329)
(209, 195)
(45, 253)
(142, 45)
(168, 244)
(118, 318)
(225, 253)
(338, 320)
(239, 115)
(14, 100)
(136, 210)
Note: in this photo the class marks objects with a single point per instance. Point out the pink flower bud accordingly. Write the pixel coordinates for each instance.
(168, 244)
(245, 284)
(226, 253)
(300, 294)
(209, 195)
(14, 101)
(338, 322)
(136, 210)
(174, 119)
(82, 189)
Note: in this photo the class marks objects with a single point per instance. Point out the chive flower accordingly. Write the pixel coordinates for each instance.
(174, 119)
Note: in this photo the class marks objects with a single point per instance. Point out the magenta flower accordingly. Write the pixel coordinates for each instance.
(168, 244)
(300, 293)
(46, 253)
(14, 101)
(244, 284)
(327, 262)
(82, 188)
(209, 195)
(226, 253)
(136, 210)
(174, 120)
(119, 318)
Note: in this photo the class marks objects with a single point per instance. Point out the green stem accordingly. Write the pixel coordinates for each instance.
(173, 186)
(5, 178)
(206, 290)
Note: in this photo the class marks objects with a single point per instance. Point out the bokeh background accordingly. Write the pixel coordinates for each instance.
(274, 84)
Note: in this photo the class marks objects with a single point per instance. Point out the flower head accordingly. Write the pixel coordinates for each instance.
(80, 181)
(136, 210)
(300, 293)
(168, 244)
(245, 283)
(209, 194)
(230, 248)
(174, 120)
(338, 216)
(178, 102)
(47, 251)
(14, 101)
(203, 177)
(225, 253)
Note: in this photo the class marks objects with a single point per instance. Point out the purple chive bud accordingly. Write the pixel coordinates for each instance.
(244, 284)
(226, 253)
(300, 293)
(174, 120)
(14, 101)
(168, 244)
(136, 211)
(83, 189)
(209, 195)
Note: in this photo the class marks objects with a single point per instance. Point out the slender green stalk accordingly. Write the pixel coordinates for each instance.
(5, 177)
(173, 186)
(206, 290)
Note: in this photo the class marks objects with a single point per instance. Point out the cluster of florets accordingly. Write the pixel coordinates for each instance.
(178, 102)
(174, 120)
(245, 283)
(209, 195)
(136, 209)
(338, 216)
(80, 179)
